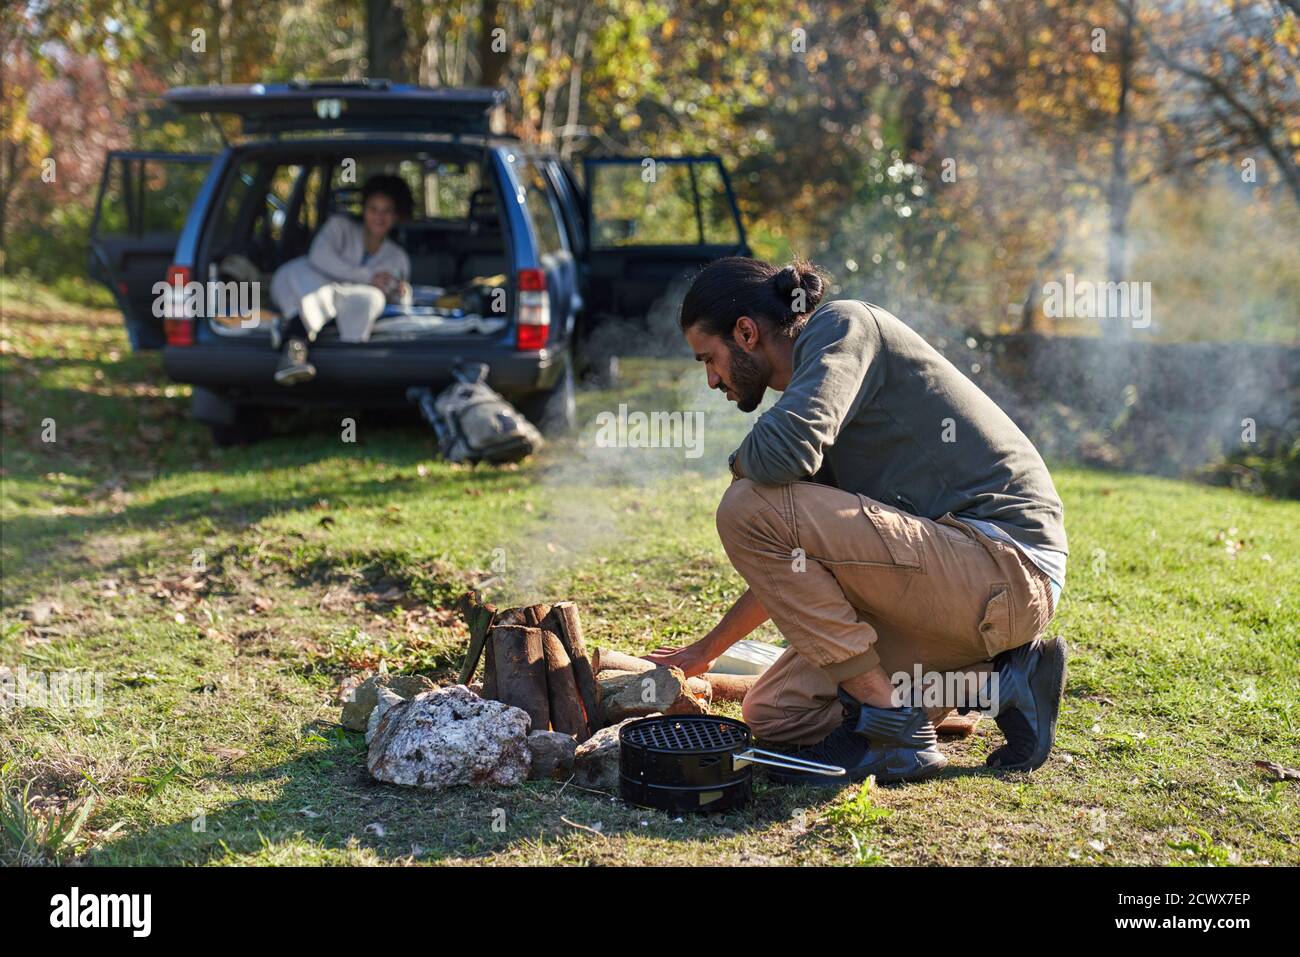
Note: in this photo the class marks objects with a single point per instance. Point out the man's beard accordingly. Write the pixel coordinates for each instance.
(748, 379)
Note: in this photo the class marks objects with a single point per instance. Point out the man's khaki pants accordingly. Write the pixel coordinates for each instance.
(852, 583)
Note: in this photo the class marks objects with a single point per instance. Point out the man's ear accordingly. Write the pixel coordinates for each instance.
(746, 333)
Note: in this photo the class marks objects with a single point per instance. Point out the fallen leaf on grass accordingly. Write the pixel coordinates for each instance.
(40, 613)
(1277, 771)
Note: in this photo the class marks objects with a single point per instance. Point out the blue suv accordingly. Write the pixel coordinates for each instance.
(525, 257)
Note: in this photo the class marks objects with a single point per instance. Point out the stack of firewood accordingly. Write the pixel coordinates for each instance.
(534, 658)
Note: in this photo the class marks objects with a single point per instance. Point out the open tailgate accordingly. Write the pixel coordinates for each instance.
(376, 105)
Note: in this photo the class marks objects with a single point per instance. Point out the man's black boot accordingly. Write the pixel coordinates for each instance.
(894, 744)
(1026, 703)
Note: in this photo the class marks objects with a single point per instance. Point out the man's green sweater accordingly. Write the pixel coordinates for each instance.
(872, 408)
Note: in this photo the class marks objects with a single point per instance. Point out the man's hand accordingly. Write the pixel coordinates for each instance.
(693, 659)
(383, 281)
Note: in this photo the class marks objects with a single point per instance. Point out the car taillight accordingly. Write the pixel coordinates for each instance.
(178, 326)
(533, 310)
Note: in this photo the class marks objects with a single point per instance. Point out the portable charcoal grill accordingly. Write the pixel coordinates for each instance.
(695, 763)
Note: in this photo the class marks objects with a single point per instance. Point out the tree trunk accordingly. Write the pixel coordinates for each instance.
(386, 41)
(492, 62)
(1029, 312)
(575, 88)
(1119, 193)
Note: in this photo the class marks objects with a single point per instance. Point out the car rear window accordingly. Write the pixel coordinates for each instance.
(259, 202)
(541, 208)
(441, 188)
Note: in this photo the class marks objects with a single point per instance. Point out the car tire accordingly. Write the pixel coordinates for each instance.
(555, 411)
(251, 425)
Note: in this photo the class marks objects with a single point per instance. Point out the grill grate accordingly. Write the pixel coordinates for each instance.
(685, 734)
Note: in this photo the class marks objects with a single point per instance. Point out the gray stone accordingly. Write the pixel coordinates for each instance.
(356, 710)
(660, 690)
(386, 700)
(444, 738)
(553, 754)
(595, 765)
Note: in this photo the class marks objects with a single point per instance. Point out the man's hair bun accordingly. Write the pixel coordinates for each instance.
(799, 275)
(736, 286)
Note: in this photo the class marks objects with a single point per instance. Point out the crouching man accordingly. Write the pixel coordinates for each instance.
(890, 519)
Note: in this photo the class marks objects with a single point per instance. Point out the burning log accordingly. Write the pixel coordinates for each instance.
(701, 689)
(520, 666)
(563, 621)
(478, 617)
(489, 672)
(529, 616)
(567, 713)
(534, 659)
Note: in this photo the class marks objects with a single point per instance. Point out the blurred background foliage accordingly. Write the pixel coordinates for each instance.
(958, 153)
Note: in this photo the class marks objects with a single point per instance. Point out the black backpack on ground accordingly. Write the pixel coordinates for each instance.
(473, 422)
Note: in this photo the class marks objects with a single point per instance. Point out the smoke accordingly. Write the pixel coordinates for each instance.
(1208, 370)
(1213, 368)
(662, 428)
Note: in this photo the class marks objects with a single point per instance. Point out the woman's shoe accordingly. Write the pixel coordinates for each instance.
(294, 367)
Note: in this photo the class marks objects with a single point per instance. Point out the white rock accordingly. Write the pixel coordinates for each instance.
(384, 699)
(449, 737)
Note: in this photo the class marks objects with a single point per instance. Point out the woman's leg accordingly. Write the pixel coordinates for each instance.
(357, 307)
(297, 289)
(294, 366)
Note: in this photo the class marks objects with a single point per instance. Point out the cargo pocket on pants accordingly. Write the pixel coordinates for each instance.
(902, 534)
(996, 629)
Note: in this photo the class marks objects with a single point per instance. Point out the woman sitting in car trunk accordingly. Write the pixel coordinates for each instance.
(350, 272)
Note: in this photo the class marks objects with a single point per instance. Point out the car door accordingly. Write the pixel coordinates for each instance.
(144, 202)
(652, 221)
(554, 248)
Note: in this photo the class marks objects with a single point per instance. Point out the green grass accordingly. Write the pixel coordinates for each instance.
(224, 596)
